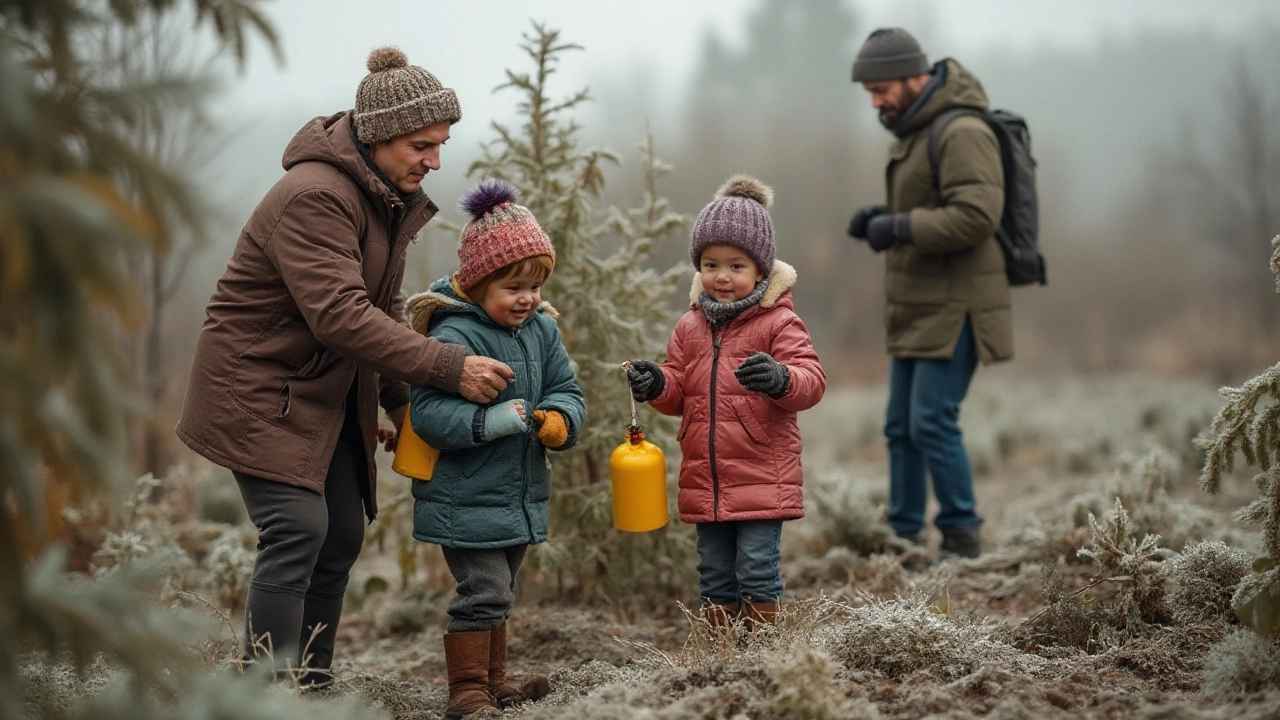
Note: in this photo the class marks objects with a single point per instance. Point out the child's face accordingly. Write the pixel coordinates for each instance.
(728, 274)
(511, 300)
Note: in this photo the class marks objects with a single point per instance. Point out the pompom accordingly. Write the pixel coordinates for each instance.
(484, 197)
(387, 58)
(748, 187)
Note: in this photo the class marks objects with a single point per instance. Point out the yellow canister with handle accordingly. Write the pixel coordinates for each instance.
(414, 458)
(638, 472)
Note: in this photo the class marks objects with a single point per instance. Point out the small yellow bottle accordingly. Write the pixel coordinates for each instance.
(638, 471)
(414, 458)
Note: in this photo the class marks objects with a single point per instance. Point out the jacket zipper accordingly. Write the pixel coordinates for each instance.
(711, 432)
(524, 448)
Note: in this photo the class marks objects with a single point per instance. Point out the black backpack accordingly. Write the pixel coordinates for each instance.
(1019, 230)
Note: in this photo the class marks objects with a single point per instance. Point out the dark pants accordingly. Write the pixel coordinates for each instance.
(307, 543)
(922, 427)
(486, 585)
(740, 561)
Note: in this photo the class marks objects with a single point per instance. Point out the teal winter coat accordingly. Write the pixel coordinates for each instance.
(489, 494)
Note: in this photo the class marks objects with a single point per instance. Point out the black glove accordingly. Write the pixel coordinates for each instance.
(762, 373)
(645, 379)
(858, 225)
(885, 230)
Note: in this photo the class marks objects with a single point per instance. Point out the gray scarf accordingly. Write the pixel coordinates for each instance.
(719, 314)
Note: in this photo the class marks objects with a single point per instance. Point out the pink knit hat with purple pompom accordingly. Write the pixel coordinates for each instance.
(499, 234)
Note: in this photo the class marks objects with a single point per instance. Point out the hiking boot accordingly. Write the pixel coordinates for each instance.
(758, 614)
(504, 693)
(466, 656)
(719, 617)
(965, 542)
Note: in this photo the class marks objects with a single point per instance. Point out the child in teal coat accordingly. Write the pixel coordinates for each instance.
(487, 500)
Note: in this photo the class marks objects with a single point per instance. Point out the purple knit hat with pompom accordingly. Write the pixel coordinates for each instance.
(499, 234)
(739, 216)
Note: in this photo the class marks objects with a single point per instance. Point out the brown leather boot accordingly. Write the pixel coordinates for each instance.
(758, 614)
(503, 692)
(721, 617)
(466, 655)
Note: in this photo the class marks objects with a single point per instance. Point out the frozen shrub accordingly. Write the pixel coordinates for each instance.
(1242, 663)
(848, 514)
(1117, 554)
(1065, 622)
(903, 636)
(1202, 581)
(411, 611)
(805, 691)
(120, 550)
(229, 565)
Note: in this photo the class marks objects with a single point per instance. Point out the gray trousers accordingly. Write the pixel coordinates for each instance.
(307, 543)
(486, 586)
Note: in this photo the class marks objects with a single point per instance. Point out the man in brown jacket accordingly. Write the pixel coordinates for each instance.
(947, 297)
(304, 338)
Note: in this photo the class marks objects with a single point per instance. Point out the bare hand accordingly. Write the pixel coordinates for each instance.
(390, 438)
(483, 378)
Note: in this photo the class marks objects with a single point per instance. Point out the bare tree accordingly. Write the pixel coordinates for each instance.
(1233, 188)
(179, 138)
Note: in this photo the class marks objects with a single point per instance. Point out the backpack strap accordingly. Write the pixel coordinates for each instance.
(939, 124)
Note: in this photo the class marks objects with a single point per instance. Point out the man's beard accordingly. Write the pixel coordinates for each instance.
(909, 98)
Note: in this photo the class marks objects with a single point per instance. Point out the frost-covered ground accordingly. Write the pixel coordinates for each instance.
(876, 629)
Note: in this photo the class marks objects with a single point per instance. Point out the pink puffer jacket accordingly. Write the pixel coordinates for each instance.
(741, 448)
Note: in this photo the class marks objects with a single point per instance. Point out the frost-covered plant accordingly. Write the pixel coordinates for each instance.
(228, 566)
(612, 308)
(1242, 663)
(805, 689)
(1118, 555)
(905, 635)
(1143, 487)
(1202, 581)
(1066, 621)
(849, 515)
(1250, 424)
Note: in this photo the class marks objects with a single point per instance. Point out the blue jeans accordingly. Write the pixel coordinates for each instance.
(739, 561)
(921, 425)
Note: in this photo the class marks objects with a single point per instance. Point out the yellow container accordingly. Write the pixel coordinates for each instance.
(638, 471)
(414, 458)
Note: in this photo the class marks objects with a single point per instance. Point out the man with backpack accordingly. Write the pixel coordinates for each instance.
(946, 290)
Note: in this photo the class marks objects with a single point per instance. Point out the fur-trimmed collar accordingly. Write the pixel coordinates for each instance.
(781, 279)
(444, 294)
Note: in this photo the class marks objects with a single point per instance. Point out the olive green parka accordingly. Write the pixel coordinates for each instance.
(953, 267)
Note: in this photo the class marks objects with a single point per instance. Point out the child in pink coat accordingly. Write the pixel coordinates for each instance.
(740, 365)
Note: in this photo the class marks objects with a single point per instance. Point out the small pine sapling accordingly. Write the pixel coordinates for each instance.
(1250, 424)
(612, 308)
(1119, 556)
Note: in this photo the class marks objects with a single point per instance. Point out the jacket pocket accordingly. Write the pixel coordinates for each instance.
(749, 421)
(284, 402)
(312, 366)
(697, 412)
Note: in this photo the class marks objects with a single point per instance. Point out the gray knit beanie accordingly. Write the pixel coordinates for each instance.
(889, 54)
(739, 216)
(396, 98)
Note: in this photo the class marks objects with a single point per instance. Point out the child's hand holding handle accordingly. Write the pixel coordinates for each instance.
(645, 379)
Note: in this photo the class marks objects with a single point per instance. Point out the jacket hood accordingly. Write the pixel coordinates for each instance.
(444, 296)
(781, 279)
(955, 87)
(332, 140)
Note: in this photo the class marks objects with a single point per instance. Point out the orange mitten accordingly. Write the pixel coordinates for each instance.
(553, 431)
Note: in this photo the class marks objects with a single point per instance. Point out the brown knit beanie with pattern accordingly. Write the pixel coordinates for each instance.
(739, 216)
(396, 98)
